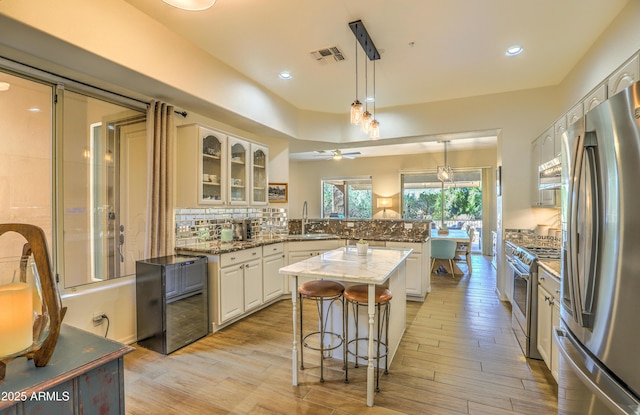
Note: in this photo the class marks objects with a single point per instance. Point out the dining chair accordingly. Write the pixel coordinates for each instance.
(443, 250)
(463, 250)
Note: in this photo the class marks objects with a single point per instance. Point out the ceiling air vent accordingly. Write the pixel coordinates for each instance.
(328, 55)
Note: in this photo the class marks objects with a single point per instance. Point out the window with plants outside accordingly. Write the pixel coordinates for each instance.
(422, 197)
(347, 197)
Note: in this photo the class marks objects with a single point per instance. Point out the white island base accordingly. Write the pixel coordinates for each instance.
(381, 266)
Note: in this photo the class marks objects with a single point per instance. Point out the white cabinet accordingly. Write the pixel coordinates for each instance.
(231, 288)
(252, 284)
(272, 281)
(238, 168)
(596, 97)
(201, 166)
(259, 177)
(542, 149)
(547, 145)
(216, 169)
(544, 325)
(623, 77)
(418, 275)
(237, 284)
(559, 128)
(548, 318)
(575, 113)
(301, 250)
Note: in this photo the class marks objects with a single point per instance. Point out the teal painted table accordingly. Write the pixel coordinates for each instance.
(85, 376)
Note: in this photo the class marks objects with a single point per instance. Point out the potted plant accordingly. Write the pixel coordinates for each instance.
(362, 247)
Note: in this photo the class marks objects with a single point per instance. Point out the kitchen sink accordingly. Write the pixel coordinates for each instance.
(314, 236)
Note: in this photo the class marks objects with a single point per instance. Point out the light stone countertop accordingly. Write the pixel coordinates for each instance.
(344, 264)
(553, 267)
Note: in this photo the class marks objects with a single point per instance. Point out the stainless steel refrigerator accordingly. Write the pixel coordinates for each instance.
(599, 334)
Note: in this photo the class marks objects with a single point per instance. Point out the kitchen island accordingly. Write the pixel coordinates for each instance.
(381, 266)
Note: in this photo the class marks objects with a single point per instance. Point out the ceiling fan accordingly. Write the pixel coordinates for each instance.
(337, 154)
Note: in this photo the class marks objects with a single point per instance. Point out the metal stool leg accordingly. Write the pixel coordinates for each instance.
(322, 333)
(301, 334)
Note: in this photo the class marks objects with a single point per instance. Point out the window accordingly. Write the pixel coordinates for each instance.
(422, 197)
(347, 197)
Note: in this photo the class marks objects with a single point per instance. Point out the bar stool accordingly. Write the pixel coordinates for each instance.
(358, 296)
(321, 291)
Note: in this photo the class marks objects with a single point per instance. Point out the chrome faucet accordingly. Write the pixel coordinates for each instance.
(305, 214)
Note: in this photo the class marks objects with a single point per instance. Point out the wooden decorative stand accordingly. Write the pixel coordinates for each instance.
(37, 245)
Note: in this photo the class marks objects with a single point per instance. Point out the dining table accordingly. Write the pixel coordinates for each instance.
(379, 266)
(458, 235)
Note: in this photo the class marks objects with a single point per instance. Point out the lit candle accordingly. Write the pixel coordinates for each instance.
(16, 318)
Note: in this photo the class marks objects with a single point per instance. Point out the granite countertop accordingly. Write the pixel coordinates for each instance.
(217, 247)
(551, 266)
(344, 264)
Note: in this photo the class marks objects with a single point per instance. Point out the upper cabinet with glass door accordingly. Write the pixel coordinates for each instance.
(259, 179)
(238, 167)
(202, 166)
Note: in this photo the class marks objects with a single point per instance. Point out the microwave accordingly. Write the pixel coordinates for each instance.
(550, 174)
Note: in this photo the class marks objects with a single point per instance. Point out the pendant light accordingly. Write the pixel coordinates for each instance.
(356, 105)
(445, 173)
(368, 122)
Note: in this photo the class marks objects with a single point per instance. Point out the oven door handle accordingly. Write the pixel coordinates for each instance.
(524, 276)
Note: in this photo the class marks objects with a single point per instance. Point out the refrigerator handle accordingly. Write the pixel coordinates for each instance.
(570, 298)
(593, 197)
(592, 374)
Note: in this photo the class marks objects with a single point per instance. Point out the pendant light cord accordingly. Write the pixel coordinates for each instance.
(356, 43)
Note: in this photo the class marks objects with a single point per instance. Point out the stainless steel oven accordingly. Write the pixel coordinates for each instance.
(523, 270)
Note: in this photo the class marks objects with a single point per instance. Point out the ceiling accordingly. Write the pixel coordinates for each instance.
(431, 50)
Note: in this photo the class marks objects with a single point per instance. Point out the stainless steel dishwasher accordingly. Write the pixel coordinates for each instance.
(171, 302)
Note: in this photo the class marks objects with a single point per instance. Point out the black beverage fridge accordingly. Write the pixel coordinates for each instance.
(171, 302)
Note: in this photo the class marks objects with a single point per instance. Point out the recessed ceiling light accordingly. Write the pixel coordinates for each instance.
(285, 75)
(191, 5)
(34, 109)
(370, 99)
(514, 50)
(4, 86)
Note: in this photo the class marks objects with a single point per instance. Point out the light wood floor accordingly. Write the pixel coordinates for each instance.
(458, 356)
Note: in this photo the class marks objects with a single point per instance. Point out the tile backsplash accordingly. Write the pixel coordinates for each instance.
(528, 237)
(194, 225)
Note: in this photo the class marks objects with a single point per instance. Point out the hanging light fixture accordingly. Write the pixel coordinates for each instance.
(356, 105)
(445, 172)
(191, 5)
(369, 124)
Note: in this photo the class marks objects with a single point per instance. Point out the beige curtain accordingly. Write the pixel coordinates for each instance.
(488, 208)
(160, 131)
